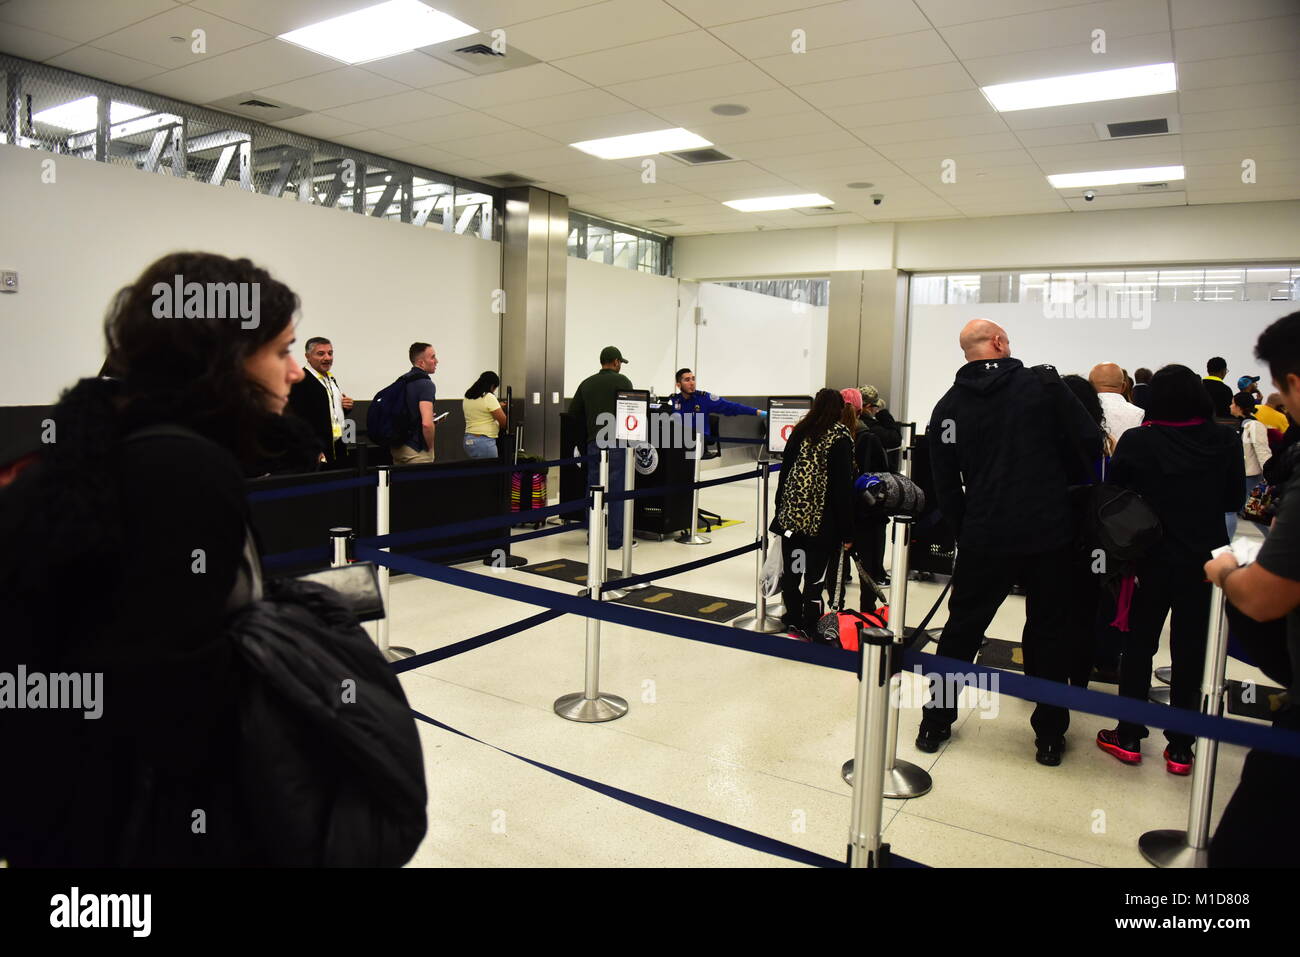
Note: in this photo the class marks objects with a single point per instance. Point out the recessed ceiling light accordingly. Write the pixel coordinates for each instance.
(374, 33)
(82, 114)
(859, 185)
(729, 109)
(642, 144)
(761, 203)
(1115, 177)
(1083, 88)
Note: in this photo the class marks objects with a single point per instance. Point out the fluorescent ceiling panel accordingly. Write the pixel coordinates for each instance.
(375, 33)
(81, 114)
(1116, 177)
(1131, 81)
(762, 203)
(642, 144)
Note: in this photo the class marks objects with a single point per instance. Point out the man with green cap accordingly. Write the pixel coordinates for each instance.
(594, 403)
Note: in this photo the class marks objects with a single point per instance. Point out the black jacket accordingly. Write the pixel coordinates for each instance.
(1220, 394)
(311, 403)
(837, 505)
(1011, 436)
(887, 432)
(1190, 476)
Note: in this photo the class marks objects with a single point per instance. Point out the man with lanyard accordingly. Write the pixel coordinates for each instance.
(687, 402)
(319, 400)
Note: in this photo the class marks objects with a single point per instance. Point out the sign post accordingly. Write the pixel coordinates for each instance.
(632, 411)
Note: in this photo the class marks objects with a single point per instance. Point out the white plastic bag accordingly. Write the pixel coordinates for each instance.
(772, 567)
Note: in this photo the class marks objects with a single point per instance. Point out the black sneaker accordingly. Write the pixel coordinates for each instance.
(930, 740)
(1049, 751)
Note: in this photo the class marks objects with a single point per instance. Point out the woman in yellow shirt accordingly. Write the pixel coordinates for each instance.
(484, 417)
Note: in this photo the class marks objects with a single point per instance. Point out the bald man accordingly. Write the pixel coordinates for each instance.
(1118, 414)
(1005, 443)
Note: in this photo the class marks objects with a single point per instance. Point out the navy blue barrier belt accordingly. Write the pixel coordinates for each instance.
(673, 489)
(698, 822)
(401, 475)
(658, 622)
(445, 550)
(474, 525)
(679, 569)
(295, 491)
(469, 644)
(737, 438)
(1228, 730)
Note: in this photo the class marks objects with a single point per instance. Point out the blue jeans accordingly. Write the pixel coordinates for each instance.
(480, 446)
(617, 457)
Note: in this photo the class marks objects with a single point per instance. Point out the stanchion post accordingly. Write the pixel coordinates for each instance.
(876, 648)
(903, 779)
(629, 481)
(339, 538)
(589, 705)
(759, 621)
(384, 475)
(693, 537)
(1190, 848)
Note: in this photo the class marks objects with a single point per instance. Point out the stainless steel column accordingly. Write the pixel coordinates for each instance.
(589, 705)
(693, 537)
(865, 848)
(1190, 848)
(384, 475)
(339, 546)
(759, 621)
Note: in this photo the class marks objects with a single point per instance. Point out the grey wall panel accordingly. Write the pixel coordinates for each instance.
(557, 246)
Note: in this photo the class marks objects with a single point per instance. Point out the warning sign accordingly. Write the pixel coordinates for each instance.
(632, 412)
(783, 414)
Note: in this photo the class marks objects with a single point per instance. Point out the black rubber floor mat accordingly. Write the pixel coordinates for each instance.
(677, 602)
(566, 570)
(1006, 655)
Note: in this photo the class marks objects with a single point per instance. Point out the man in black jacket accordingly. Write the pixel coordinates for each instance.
(1010, 436)
(319, 401)
(881, 424)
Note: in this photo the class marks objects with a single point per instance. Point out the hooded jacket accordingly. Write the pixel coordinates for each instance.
(1190, 476)
(1003, 441)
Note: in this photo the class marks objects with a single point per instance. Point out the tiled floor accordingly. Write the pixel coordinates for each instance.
(749, 740)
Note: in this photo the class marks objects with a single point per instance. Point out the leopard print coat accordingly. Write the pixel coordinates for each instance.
(803, 503)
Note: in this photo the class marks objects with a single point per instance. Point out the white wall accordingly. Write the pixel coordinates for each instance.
(371, 286)
(1239, 232)
(753, 344)
(1184, 332)
(612, 306)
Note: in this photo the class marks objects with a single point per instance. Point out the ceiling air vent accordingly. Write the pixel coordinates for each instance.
(508, 179)
(262, 103)
(479, 49)
(660, 222)
(258, 107)
(700, 157)
(1132, 128)
(1149, 187)
(816, 210)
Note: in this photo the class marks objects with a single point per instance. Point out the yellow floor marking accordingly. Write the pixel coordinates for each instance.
(710, 609)
(549, 568)
(654, 598)
(1018, 656)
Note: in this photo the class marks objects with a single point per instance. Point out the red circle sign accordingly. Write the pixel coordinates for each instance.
(785, 431)
(630, 423)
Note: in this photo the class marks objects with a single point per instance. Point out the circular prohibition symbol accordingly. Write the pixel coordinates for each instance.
(785, 431)
(630, 423)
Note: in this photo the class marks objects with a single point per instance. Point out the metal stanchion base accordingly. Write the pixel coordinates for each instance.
(1168, 848)
(638, 587)
(614, 594)
(578, 707)
(1164, 673)
(686, 538)
(904, 780)
(1159, 695)
(767, 625)
(776, 610)
(512, 561)
(398, 652)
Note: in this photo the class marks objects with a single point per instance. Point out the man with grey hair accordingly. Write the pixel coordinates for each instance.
(1004, 442)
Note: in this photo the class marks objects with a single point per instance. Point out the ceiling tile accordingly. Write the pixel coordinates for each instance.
(1204, 13)
(745, 129)
(257, 66)
(927, 168)
(1106, 111)
(415, 69)
(1068, 60)
(761, 104)
(331, 89)
(949, 126)
(80, 20)
(555, 109)
(1233, 70)
(1046, 29)
(862, 156)
(395, 108)
(104, 65)
(722, 82)
(943, 13)
(1086, 157)
(1253, 194)
(778, 146)
(513, 86)
(1058, 135)
(1239, 119)
(454, 126)
(280, 16)
(1127, 201)
(32, 44)
(373, 141)
(949, 147)
(599, 27)
(599, 127)
(488, 15)
(823, 26)
(1241, 96)
(1242, 139)
(638, 61)
(320, 126)
(884, 87)
(493, 146)
(151, 40)
(1238, 39)
(863, 58)
(968, 103)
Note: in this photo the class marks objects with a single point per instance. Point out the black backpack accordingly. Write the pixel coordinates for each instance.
(389, 421)
(1121, 523)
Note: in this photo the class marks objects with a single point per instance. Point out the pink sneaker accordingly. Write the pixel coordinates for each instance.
(1130, 752)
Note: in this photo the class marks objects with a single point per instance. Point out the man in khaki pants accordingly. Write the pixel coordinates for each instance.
(420, 396)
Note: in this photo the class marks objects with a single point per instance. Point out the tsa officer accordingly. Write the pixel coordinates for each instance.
(686, 401)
